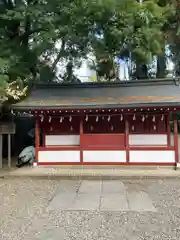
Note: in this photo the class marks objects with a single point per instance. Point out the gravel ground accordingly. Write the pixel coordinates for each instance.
(24, 213)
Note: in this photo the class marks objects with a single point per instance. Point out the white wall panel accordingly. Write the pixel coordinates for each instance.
(104, 156)
(62, 140)
(152, 156)
(147, 139)
(59, 156)
(172, 139)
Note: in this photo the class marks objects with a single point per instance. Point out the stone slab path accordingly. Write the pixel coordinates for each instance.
(102, 196)
(142, 209)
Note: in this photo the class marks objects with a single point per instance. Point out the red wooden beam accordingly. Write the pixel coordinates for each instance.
(81, 136)
(107, 163)
(148, 133)
(59, 148)
(104, 148)
(151, 148)
(110, 110)
(176, 139)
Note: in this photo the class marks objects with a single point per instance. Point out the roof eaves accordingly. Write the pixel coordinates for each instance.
(143, 82)
(89, 106)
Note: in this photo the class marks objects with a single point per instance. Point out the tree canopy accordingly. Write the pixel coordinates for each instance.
(37, 35)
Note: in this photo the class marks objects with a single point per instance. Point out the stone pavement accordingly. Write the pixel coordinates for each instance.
(129, 209)
(102, 196)
(94, 172)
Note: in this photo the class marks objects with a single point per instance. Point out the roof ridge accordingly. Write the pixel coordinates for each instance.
(124, 83)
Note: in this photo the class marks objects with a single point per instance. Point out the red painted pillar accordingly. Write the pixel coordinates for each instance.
(127, 139)
(81, 136)
(36, 139)
(168, 131)
(176, 139)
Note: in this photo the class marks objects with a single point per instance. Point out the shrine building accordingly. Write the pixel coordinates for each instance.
(125, 123)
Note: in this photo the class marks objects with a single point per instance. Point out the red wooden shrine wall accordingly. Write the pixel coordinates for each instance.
(105, 125)
(104, 131)
(103, 140)
(150, 124)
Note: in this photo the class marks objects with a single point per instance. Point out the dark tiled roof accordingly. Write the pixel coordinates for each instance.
(92, 95)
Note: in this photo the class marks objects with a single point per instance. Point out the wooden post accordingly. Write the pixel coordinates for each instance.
(168, 131)
(36, 139)
(176, 139)
(1, 150)
(127, 139)
(81, 135)
(9, 150)
(43, 137)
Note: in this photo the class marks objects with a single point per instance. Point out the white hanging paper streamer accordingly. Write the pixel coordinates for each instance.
(132, 127)
(50, 119)
(86, 118)
(97, 119)
(61, 119)
(70, 119)
(109, 118)
(112, 128)
(154, 127)
(143, 118)
(121, 117)
(154, 119)
(42, 118)
(162, 118)
(134, 117)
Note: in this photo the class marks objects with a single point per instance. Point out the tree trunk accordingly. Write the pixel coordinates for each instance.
(161, 66)
(141, 71)
(69, 71)
(177, 68)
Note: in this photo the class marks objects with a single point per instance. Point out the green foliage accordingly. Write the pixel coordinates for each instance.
(172, 31)
(30, 30)
(124, 27)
